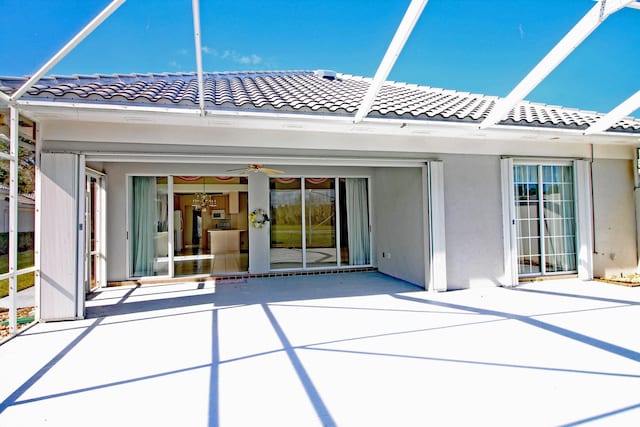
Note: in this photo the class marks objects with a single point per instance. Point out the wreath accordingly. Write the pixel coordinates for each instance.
(258, 218)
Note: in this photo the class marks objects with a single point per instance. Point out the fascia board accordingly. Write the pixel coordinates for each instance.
(47, 110)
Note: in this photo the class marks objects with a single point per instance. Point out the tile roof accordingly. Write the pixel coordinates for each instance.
(322, 92)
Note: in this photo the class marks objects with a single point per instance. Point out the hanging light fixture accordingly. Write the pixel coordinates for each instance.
(202, 201)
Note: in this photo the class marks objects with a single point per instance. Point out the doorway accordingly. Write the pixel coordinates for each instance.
(94, 231)
(210, 225)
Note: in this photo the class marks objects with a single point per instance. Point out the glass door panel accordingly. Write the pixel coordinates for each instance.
(192, 206)
(355, 247)
(545, 219)
(286, 223)
(527, 219)
(559, 220)
(210, 225)
(149, 226)
(320, 222)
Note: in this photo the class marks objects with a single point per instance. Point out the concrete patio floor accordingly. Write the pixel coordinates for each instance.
(358, 349)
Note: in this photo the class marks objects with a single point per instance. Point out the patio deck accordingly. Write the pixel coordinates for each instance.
(346, 349)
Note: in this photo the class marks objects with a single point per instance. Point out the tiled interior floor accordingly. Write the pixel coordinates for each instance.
(213, 264)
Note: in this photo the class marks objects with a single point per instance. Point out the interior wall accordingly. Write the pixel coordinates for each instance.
(473, 212)
(615, 249)
(399, 223)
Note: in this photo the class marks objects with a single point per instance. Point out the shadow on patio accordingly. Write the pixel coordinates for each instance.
(349, 349)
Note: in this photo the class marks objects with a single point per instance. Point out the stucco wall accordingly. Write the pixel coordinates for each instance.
(473, 220)
(471, 186)
(614, 218)
(259, 238)
(399, 223)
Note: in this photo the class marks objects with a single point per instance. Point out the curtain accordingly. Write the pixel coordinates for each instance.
(357, 221)
(145, 223)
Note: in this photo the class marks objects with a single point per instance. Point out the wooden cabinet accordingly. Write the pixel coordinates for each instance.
(234, 202)
(221, 201)
(224, 241)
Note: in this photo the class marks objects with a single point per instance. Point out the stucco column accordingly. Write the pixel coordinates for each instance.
(259, 237)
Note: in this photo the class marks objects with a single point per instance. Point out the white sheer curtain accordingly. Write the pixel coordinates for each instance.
(144, 225)
(357, 221)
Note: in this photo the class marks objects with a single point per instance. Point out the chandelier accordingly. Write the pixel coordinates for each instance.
(202, 201)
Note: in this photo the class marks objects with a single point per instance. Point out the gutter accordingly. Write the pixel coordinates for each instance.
(304, 121)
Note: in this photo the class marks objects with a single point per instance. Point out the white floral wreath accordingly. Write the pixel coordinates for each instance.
(258, 218)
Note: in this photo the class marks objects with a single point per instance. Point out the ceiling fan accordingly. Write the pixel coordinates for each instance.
(257, 168)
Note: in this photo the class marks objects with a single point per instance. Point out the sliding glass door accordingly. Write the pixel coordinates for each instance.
(286, 223)
(545, 219)
(354, 222)
(206, 216)
(319, 222)
(149, 226)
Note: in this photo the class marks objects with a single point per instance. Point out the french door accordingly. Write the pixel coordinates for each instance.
(94, 231)
(545, 219)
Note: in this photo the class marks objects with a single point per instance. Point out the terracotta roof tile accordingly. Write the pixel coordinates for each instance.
(299, 91)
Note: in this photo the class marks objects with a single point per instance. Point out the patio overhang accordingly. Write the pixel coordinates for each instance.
(306, 122)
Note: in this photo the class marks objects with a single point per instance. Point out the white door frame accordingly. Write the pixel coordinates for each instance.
(100, 200)
(583, 220)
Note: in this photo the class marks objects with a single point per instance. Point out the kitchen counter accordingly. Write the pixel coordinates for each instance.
(224, 241)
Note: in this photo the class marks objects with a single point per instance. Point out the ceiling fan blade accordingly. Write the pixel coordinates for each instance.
(271, 171)
(256, 168)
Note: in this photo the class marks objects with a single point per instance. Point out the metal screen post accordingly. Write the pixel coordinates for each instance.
(13, 218)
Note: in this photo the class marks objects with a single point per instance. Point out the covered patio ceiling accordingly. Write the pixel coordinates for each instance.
(591, 20)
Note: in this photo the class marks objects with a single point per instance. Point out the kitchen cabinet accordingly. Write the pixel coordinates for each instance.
(221, 201)
(224, 241)
(234, 202)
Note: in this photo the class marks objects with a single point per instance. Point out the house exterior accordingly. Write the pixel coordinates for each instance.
(26, 211)
(140, 183)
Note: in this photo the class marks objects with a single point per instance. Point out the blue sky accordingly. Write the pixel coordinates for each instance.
(467, 45)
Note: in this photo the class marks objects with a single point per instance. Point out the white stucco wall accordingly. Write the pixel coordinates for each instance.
(259, 238)
(398, 207)
(614, 220)
(473, 220)
(471, 172)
